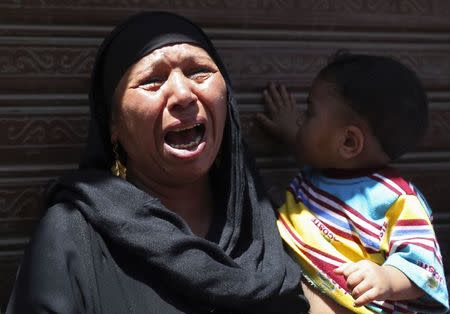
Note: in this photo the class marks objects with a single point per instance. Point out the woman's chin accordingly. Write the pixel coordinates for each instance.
(184, 153)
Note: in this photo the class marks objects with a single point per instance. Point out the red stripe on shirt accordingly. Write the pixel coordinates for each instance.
(394, 176)
(412, 222)
(341, 203)
(341, 211)
(302, 243)
(319, 263)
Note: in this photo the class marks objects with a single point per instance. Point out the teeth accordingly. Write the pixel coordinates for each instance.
(188, 145)
(187, 128)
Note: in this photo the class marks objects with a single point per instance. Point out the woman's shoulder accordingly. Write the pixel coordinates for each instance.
(60, 220)
(62, 235)
(54, 259)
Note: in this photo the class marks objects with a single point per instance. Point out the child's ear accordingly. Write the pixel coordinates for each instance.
(352, 142)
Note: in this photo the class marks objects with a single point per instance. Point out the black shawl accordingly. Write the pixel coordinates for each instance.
(242, 267)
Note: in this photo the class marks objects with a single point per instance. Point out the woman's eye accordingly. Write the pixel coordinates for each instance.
(152, 84)
(199, 75)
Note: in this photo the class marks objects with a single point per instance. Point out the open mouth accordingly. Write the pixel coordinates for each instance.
(187, 138)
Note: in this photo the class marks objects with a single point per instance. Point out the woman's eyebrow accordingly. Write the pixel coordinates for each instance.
(158, 63)
(202, 59)
(149, 68)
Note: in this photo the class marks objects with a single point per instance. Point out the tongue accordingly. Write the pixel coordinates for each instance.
(182, 137)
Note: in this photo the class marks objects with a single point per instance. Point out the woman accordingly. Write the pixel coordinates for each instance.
(185, 227)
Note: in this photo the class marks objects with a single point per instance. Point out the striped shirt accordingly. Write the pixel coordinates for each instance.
(378, 216)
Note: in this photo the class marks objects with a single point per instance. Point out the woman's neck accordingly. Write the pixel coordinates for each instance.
(192, 201)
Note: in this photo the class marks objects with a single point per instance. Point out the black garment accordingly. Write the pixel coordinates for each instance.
(105, 246)
(70, 269)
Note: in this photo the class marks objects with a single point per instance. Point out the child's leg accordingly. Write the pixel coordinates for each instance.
(320, 303)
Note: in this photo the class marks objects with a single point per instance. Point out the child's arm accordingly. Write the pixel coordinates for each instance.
(371, 282)
(282, 118)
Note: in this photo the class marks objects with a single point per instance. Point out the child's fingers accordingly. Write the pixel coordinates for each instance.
(286, 97)
(361, 288)
(276, 97)
(367, 297)
(269, 102)
(293, 102)
(355, 278)
(341, 269)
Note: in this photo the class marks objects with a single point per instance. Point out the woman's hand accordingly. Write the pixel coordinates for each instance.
(282, 118)
(369, 282)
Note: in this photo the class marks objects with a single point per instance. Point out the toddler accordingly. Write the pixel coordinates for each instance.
(361, 233)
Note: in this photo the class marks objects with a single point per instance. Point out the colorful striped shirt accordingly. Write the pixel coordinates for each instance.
(377, 216)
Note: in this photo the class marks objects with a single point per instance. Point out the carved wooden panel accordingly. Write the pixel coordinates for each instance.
(323, 14)
(54, 67)
(47, 49)
(30, 138)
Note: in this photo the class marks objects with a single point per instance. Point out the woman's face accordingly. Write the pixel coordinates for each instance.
(169, 114)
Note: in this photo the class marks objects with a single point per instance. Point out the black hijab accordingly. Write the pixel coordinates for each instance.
(244, 267)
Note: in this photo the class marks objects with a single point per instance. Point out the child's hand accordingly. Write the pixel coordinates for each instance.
(367, 281)
(281, 121)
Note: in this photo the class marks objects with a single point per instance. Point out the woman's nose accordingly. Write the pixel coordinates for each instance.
(180, 91)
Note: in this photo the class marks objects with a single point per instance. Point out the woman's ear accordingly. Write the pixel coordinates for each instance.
(352, 142)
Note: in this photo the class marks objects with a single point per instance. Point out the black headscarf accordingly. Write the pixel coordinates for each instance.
(244, 268)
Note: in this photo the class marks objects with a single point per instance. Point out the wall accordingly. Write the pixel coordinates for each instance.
(47, 49)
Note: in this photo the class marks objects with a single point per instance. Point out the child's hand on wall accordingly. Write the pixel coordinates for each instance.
(282, 117)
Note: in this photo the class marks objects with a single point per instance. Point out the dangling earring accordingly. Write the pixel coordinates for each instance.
(118, 169)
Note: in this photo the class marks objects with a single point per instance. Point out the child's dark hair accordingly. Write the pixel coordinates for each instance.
(386, 93)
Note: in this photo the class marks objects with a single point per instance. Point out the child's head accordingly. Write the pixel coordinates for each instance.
(363, 111)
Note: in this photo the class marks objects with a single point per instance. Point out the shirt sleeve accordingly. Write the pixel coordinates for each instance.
(414, 250)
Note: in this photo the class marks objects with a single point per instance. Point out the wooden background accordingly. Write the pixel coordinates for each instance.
(47, 49)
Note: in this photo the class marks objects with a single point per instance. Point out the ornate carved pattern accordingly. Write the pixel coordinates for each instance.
(252, 63)
(302, 14)
(428, 65)
(21, 201)
(43, 61)
(419, 7)
(43, 130)
(303, 63)
(253, 67)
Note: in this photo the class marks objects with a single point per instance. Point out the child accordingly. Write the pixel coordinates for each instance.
(361, 233)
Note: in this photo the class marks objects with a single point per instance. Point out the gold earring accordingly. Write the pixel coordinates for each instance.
(118, 169)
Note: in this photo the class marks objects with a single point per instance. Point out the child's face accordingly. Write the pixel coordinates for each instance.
(320, 132)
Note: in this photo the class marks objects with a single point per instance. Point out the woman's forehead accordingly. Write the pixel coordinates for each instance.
(175, 52)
